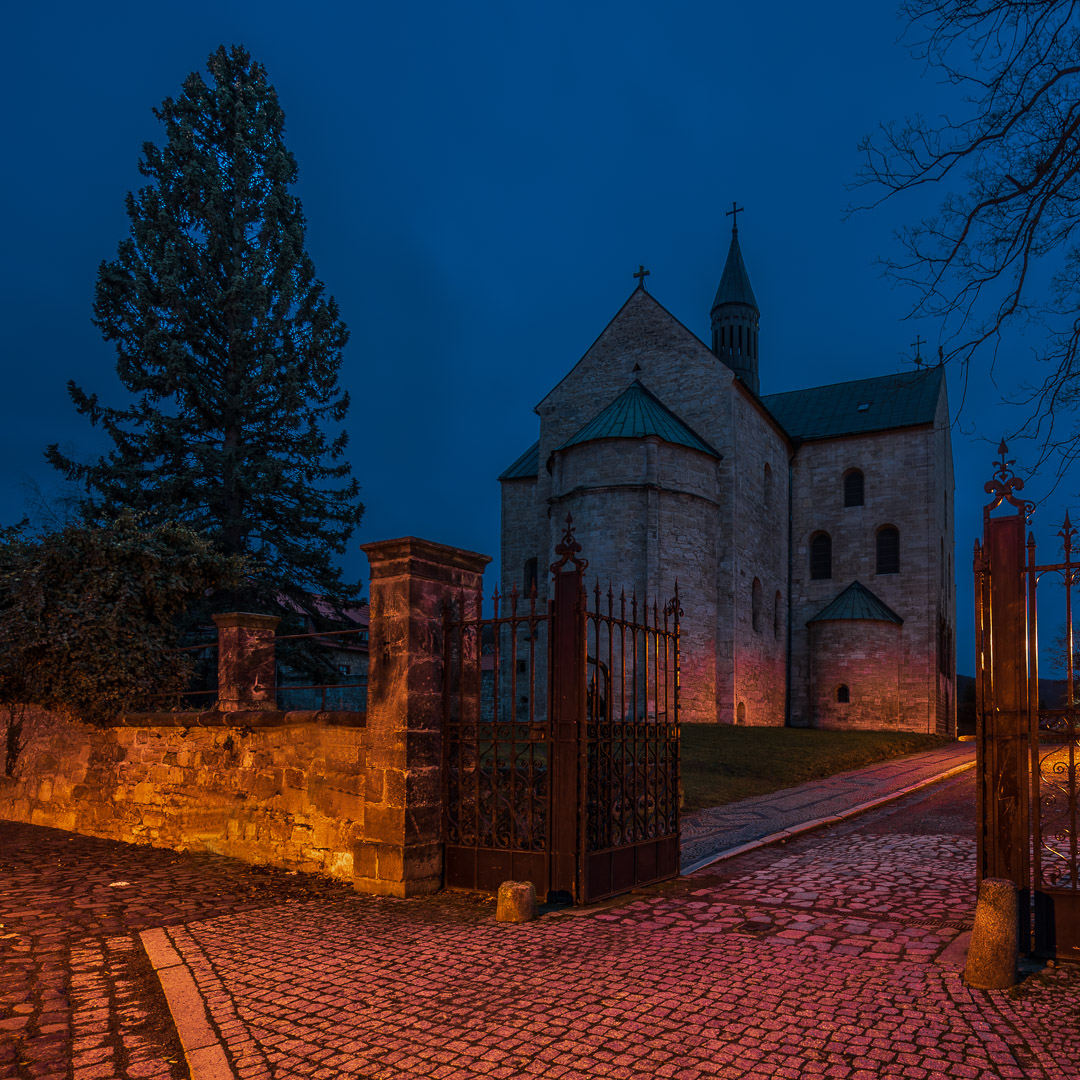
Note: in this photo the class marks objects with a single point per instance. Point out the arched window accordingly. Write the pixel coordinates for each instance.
(740, 713)
(853, 488)
(767, 487)
(888, 550)
(820, 556)
(843, 694)
(776, 614)
(528, 577)
(755, 605)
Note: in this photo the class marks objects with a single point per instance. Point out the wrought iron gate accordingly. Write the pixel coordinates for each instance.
(561, 740)
(1028, 748)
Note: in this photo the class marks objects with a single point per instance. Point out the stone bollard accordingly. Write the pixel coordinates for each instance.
(517, 902)
(994, 949)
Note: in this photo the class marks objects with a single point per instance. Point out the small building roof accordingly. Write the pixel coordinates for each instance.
(636, 413)
(857, 602)
(526, 466)
(734, 287)
(854, 408)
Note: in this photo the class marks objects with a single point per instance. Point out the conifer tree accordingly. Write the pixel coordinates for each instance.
(228, 348)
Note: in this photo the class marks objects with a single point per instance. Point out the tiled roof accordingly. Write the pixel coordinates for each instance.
(526, 466)
(856, 602)
(734, 285)
(851, 408)
(635, 413)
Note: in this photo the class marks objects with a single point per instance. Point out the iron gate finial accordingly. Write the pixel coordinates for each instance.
(1004, 483)
(567, 550)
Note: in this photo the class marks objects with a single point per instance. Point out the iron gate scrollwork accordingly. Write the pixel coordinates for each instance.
(1028, 732)
(561, 739)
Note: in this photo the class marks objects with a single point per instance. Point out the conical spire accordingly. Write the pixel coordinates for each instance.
(735, 313)
(734, 285)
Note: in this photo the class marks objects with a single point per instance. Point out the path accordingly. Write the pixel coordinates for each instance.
(751, 823)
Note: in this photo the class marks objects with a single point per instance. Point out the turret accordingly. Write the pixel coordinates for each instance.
(735, 314)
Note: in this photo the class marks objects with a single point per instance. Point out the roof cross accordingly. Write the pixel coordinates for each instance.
(734, 213)
(641, 275)
(917, 346)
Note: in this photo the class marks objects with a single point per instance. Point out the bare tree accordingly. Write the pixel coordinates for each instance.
(1002, 248)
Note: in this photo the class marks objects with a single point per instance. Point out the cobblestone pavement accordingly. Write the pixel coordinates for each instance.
(78, 998)
(834, 955)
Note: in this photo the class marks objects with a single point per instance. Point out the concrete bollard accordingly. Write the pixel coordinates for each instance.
(517, 902)
(994, 950)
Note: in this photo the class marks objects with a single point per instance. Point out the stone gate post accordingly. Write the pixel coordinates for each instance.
(247, 671)
(411, 579)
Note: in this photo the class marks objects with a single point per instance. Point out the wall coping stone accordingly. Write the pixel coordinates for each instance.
(247, 620)
(247, 718)
(413, 547)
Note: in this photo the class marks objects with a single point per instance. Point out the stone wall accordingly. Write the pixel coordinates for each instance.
(759, 545)
(284, 789)
(864, 656)
(357, 798)
(646, 515)
(908, 484)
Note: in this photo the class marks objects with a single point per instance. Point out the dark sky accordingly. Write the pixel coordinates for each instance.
(480, 181)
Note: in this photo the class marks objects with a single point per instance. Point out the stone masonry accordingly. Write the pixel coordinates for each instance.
(350, 796)
(713, 490)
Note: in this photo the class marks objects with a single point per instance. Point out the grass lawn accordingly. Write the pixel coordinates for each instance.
(721, 763)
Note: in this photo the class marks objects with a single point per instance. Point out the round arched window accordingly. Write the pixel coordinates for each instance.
(888, 550)
(853, 487)
(820, 556)
(843, 694)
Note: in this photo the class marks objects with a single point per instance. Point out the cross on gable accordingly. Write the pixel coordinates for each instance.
(734, 213)
(641, 275)
(917, 346)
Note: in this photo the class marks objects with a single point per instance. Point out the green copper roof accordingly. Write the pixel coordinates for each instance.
(851, 408)
(635, 413)
(734, 285)
(526, 466)
(857, 602)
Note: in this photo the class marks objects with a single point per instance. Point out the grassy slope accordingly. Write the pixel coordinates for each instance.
(722, 764)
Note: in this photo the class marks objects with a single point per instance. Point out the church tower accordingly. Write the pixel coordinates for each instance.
(735, 314)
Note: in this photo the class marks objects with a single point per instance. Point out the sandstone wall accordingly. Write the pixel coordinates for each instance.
(647, 515)
(759, 531)
(907, 484)
(864, 656)
(283, 789)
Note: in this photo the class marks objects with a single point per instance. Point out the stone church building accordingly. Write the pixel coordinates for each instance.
(811, 531)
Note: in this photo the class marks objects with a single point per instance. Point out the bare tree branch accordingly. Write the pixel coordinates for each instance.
(1010, 209)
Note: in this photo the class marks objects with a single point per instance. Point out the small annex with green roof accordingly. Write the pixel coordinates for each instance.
(857, 602)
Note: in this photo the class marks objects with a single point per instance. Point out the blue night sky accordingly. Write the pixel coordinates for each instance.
(480, 181)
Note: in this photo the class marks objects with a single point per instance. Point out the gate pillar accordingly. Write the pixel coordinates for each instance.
(567, 682)
(400, 853)
(1002, 694)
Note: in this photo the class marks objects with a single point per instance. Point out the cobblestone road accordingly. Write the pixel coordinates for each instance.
(832, 956)
(78, 998)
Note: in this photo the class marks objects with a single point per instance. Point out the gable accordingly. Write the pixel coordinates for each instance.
(643, 341)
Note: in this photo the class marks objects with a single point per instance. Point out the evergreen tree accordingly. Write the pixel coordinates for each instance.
(229, 349)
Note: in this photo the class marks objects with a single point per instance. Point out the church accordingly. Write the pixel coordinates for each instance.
(811, 531)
